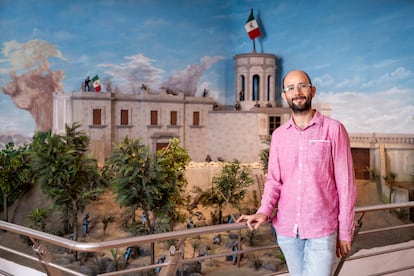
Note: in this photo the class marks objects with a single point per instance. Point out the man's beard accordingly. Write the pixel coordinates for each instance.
(300, 108)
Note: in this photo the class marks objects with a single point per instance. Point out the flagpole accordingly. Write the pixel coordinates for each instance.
(254, 45)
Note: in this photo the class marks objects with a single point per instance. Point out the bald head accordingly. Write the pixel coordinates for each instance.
(295, 74)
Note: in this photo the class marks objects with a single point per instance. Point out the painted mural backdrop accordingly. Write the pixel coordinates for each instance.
(359, 54)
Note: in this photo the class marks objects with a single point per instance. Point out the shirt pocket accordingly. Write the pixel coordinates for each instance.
(319, 151)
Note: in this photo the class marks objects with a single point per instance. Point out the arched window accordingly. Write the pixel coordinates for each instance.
(242, 91)
(256, 86)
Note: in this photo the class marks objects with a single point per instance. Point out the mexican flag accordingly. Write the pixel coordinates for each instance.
(96, 83)
(251, 27)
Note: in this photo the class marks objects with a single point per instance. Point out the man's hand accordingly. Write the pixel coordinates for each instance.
(343, 248)
(256, 218)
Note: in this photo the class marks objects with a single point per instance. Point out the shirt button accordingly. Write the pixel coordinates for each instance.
(298, 214)
(300, 181)
(301, 148)
(300, 165)
(298, 197)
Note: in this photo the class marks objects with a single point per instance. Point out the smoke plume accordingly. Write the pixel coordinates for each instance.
(187, 79)
(32, 82)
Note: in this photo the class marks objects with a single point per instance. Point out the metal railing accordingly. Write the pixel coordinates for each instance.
(176, 257)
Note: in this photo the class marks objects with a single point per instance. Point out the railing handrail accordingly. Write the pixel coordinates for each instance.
(123, 242)
(380, 207)
(140, 240)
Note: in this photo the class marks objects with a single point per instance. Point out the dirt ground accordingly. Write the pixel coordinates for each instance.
(367, 195)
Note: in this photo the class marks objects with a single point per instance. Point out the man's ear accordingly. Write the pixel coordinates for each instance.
(313, 91)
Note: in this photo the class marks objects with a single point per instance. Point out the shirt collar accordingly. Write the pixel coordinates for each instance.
(317, 119)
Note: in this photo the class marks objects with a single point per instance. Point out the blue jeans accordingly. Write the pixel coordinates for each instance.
(309, 257)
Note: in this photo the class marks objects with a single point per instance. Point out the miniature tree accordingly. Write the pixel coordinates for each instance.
(148, 182)
(229, 187)
(174, 160)
(15, 174)
(66, 172)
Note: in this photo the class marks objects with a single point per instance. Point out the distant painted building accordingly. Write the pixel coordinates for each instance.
(204, 127)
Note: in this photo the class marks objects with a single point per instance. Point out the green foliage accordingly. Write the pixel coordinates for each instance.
(229, 187)
(264, 155)
(15, 174)
(38, 218)
(150, 182)
(65, 171)
(116, 256)
(232, 183)
(136, 177)
(174, 159)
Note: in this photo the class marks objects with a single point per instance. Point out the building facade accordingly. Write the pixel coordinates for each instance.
(209, 130)
(204, 127)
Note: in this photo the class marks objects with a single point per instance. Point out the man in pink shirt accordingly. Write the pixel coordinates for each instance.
(311, 182)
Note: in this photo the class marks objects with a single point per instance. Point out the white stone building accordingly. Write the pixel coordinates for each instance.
(207, 129)
(203, 126)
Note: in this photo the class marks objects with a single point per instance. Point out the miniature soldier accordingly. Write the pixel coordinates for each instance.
(217, 239)
(237, 106)
(86, 225)
(229, 219)
(242, 95)
(235, 248)
(208, 158)
(160, 261)
(190, 225)
(87, 81)
(128, 253)
(205, 92)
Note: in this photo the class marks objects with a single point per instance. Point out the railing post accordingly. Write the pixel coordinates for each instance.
(173, 259)
(45, 257)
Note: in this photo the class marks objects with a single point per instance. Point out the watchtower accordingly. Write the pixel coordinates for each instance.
(255, 77)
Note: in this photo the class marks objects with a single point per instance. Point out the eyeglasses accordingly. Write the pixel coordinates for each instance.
(299, 86)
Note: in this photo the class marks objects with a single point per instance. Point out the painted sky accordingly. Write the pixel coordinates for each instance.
(359, 54)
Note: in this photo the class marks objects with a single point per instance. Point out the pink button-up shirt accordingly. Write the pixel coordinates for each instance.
(311, 180)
